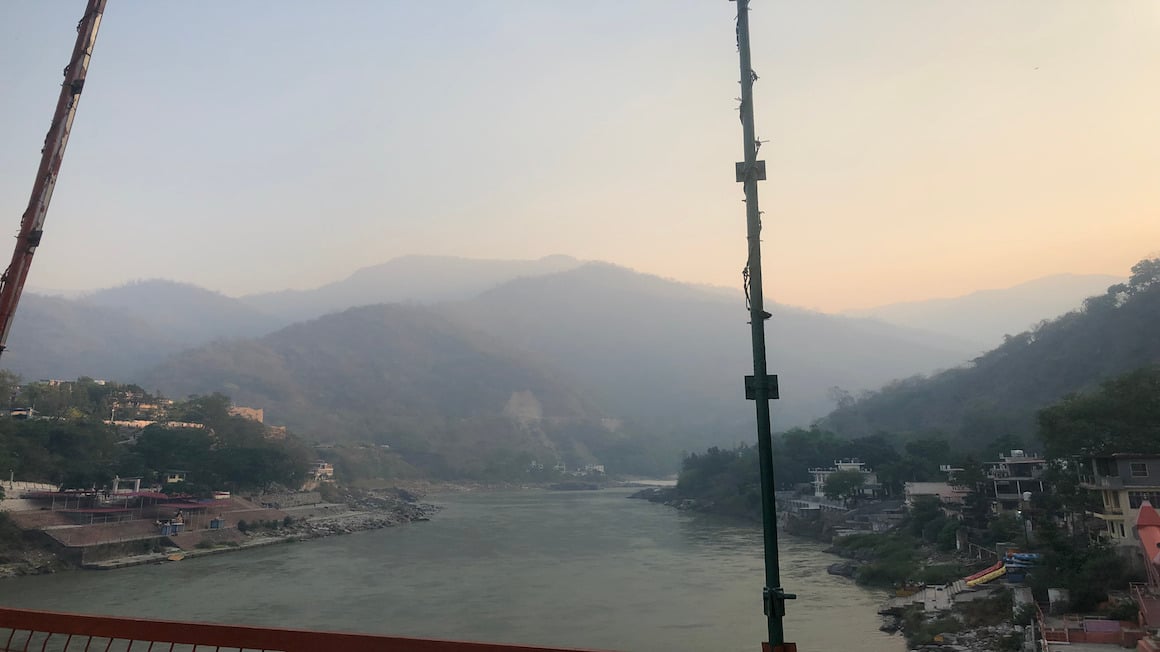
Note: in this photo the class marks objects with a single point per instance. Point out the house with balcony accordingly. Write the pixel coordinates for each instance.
(1123, 482)
(871, 488)
(1012, 476)
(946, 492)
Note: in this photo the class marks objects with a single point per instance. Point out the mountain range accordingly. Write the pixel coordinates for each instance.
(554, 356)
(1000, 392)
(984, 317)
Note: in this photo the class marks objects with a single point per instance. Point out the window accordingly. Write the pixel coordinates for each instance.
(1137, 497)
(1139, 469)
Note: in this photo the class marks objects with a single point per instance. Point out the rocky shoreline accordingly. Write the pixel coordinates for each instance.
(668, 496)
(955, 629)
(358, 511)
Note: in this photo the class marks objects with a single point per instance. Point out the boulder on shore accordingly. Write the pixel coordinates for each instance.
(843, 568)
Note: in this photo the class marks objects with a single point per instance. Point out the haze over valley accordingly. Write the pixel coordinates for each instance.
(555, 358)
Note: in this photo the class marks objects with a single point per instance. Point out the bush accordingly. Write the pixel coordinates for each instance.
(1012, 642)
(947, 536)
(990, 611)
(204, 545)
(288, 521)
(941, 574)
(920, 632)
(886, 572)
(1122, 610)
(1024, 615)
(243, 526)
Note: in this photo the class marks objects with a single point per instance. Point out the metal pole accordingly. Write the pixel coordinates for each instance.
(32, 223)
(761, 387)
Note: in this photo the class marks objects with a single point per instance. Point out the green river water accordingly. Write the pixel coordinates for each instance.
(584, 569)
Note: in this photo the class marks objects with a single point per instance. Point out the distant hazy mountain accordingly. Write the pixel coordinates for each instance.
(667, 357)
(185, 312)
(984, 317)
(999, 393)
(61, 338)
(119, 332)
(410, 279)
(674, 356)
(445, 397)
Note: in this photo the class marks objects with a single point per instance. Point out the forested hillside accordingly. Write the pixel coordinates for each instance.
(406, 279)
(673, 356)
(117, 333)
(448, 400)
(185, 313)
(65, 338)
(1000, 391)
(984, 317)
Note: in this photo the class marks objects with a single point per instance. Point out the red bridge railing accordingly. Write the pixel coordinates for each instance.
(47, 631)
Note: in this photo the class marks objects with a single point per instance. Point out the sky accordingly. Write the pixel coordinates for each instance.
(916, 148)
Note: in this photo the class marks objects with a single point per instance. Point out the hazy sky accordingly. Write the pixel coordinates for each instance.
(917, 148)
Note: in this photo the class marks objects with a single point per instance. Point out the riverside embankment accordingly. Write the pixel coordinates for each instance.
(44, 546)
(582, 569)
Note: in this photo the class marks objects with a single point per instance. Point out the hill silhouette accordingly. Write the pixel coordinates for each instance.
(673, 356)
(1000, 391)
(410, 279)
(449, 400)
(117, 333)
(984, 317)
(185, 312)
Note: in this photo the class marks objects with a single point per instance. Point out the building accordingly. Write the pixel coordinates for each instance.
(1011, 477)
(871, 488)
(1123, 481)
(173, 477)
(322, 470)
(946, 492)
(253, 414)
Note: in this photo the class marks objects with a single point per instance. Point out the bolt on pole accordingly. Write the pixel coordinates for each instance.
(761, 387)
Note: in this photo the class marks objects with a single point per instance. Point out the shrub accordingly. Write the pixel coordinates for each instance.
(941, 574)
(924, 632)
(1122, 610)
(243, 526)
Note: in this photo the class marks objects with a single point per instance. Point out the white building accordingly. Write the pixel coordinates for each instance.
(870, 489)
(944, 491)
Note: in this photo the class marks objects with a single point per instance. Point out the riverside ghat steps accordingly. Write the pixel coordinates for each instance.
(208, 528)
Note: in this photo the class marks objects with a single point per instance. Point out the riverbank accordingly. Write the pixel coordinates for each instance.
(40, 551)
(668, 496)
(915, 580)
(502, 558)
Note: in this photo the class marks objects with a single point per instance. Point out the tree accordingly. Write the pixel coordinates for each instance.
(844, 485)
(1145, 274)
(1123, 416)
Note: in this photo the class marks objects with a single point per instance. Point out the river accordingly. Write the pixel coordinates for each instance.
(585, 569)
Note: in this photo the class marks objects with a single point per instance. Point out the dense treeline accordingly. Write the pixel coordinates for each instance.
(731, 475)
(1123, 415)
(80, 450)
(1001, 391)
(452, 403)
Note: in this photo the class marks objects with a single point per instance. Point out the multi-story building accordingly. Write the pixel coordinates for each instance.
(871, 488)
(946, 492)
(1013, 476)
(1123, 481)
(321, 470)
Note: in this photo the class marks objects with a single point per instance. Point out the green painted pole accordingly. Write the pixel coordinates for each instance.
(761, 387)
